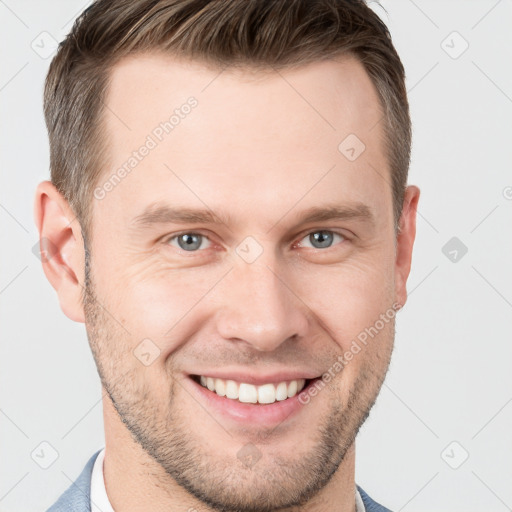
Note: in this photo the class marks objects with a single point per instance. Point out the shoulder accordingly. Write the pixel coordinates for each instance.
(76, 498)
(369, 504)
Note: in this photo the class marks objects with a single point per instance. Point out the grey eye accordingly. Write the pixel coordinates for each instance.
(322, 239)
(189, 241)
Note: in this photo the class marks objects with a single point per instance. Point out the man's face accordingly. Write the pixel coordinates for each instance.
(261, 297)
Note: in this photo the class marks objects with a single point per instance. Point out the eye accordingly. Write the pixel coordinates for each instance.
(189, 241)
(321, 239)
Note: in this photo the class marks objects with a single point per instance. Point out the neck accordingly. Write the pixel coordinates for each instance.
(135, 482)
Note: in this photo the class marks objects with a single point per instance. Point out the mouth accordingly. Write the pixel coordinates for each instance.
(246, 393)
(260, 404)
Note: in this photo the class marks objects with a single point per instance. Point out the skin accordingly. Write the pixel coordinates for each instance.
(252, 149)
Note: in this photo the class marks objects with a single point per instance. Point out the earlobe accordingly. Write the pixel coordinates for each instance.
(405, 241)
(62, 249)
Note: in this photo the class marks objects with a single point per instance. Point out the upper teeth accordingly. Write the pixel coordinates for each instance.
(265, 394)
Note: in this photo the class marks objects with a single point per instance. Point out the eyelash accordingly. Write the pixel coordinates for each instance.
(168, 240)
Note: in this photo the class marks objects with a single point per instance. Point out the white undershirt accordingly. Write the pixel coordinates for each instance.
(99, 498)
(101, 503)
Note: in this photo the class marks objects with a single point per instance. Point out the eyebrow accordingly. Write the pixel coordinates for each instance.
(155, 214)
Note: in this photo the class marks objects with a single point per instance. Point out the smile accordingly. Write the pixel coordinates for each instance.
(249, 393)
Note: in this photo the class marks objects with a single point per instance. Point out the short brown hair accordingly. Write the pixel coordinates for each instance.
(256, 34)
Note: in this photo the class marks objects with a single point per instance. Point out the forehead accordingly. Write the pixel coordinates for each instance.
(328, 96)
(276, 137)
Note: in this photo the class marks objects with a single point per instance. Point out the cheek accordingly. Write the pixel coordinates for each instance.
(166, 306)
(348, 302)
(349, 298)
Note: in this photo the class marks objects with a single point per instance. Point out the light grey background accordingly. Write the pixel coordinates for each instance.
(451, 375)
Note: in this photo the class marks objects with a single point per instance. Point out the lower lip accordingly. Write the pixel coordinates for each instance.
(255, 414)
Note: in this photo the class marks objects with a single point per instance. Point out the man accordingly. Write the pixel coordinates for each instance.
(229, 216)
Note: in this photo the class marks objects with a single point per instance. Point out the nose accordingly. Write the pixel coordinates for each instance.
(259, 306)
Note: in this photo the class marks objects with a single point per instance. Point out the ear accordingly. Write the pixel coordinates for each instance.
(61, 248)
(405, 242)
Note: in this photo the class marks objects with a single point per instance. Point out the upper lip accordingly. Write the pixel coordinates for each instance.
(258, 379)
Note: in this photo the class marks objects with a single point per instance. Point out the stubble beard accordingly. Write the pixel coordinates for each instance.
(223, 483)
